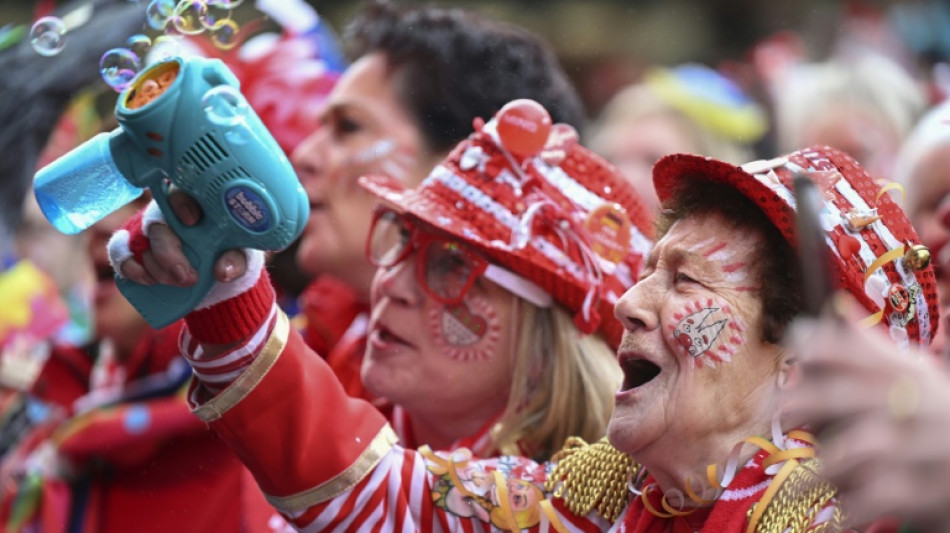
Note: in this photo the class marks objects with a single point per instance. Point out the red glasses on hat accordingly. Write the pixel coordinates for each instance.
(446, 269)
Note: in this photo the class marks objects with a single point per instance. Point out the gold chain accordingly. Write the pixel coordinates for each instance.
(591, 476)
(797, 502)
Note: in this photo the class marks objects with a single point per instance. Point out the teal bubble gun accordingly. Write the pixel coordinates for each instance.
(195, 132)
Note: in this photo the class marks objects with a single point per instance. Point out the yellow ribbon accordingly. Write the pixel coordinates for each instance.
(548, 509)
(780, 478)
(784, 455)
(646, 503)
(890, 186)
(888, 256)
(695, 497)
(803, 436)
(872, 320)
(502, 487)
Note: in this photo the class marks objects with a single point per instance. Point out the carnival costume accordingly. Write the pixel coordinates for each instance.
(328, 461)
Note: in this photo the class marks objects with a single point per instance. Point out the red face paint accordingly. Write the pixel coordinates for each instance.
(706, 333)
(467, 331)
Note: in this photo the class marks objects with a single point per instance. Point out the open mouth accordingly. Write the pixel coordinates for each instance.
(637, 372)
(386, 336)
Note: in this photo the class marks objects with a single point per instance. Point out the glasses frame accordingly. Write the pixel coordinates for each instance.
(419, 242)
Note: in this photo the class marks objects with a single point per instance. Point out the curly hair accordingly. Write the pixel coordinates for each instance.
(778, 274)
(456, 65)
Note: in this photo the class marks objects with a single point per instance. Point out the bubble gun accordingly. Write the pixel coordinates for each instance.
(182, 123)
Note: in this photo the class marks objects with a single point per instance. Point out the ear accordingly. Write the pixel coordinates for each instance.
(789, 372)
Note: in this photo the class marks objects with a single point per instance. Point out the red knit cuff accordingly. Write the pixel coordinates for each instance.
(234, 319)
(138, 241)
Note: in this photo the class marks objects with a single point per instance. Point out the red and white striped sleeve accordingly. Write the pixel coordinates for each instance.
(330, 462)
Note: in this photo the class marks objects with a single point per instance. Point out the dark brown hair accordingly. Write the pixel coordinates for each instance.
(456, 65)
(778, 271)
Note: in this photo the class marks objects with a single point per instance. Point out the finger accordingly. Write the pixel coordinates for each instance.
(135, 272)
(880, 493)
(185, 207)
(868, 441)
(168, 254)
(832, 395)
(231, 265)
(159, 272)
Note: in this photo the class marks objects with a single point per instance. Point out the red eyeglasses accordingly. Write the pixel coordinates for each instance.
(446, 269)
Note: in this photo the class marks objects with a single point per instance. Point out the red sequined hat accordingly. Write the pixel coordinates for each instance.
(875, 252)
(537, 203)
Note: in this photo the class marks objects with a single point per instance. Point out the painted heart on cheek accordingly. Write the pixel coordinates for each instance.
(466, 331)
(461, 326)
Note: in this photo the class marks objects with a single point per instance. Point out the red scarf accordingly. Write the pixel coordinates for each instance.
(727, 515)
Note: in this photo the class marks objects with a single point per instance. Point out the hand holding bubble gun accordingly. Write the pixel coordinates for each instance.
(183, 125)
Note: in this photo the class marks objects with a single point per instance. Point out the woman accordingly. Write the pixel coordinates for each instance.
(477, 331)
(420, 76)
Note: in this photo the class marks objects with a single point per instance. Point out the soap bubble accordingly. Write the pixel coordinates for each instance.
(224, 34)
(164, 47)
(225, 106)
(190, 16)
(225, 4)
(158, 11)
(139, 44)
(48, 36)
(118, 67)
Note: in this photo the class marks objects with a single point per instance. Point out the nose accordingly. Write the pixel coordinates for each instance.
(637, 308)
(398, 283)
(308, 158)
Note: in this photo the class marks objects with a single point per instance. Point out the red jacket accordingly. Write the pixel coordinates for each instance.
(141, 461)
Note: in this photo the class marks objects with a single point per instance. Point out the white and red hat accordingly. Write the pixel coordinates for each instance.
(535, 202)
(875, 252)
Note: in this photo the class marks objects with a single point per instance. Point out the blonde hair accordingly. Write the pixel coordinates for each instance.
(563, 384)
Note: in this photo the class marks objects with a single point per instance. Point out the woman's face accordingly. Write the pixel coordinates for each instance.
(434, 358)
(695, 367)
(365, 129)
(634, 146)
(114, 316)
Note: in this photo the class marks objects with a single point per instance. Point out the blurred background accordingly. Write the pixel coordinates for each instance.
(606, 44)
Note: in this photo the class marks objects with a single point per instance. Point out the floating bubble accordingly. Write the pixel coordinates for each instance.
(225, 4)
(224, 106)
(224, 34)
(139, 44)
(215, 16)
(118, 67)
(48, 36)
(158, 11)
(164, 47)
(189, 16)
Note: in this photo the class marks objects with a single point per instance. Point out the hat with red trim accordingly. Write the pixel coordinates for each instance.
(528, 196)
(875, 253)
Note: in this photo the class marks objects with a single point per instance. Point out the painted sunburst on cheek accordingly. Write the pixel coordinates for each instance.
(706, 332)
(467, 331)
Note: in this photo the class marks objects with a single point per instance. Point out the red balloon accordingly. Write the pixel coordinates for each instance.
(523, 127)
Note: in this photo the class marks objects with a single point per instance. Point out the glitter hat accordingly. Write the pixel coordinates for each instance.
(875, 252)
(535, 202)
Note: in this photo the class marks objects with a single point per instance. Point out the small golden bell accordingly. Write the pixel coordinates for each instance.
(917, 257)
